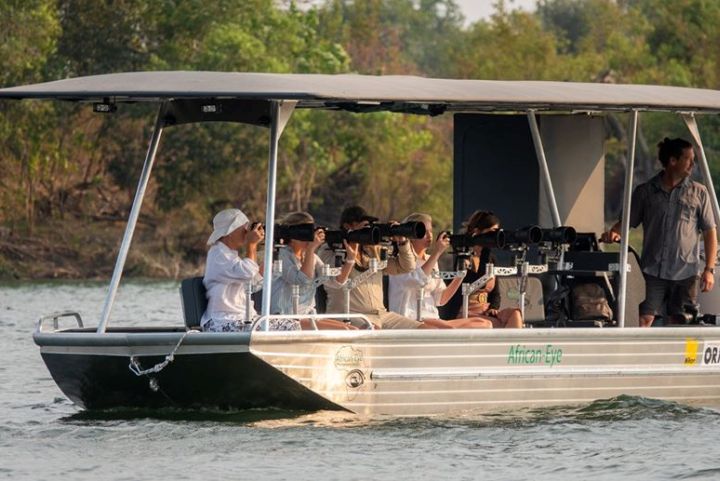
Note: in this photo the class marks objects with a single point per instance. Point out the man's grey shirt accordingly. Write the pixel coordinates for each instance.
(673, 223)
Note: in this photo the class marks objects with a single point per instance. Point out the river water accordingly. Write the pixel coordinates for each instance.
(44, 436)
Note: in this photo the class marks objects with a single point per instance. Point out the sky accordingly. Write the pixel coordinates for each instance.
(477, 9)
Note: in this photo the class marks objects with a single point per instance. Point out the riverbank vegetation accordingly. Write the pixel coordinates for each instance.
(67, 176)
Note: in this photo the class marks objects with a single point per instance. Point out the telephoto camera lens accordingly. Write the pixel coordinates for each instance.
(411, 230)
(301, 232)
(527, 235)
(366, 236)
(491, 240)
(559, 235)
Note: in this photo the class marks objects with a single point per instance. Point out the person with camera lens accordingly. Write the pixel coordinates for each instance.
(404, 288)
(227, 274)
(301, 265)
(367, 297)
(485, 302)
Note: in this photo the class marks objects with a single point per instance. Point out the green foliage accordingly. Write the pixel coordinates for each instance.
(29, 31)
(513, 46)
(61, 160)
(103, 37)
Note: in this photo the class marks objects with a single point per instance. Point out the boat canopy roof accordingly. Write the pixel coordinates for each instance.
(371, 93)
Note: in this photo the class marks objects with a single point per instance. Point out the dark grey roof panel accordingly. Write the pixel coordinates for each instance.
(333, 91)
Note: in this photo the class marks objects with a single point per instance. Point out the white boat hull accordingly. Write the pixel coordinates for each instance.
(435, 372)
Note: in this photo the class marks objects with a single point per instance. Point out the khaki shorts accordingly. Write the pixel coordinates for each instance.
(392, 320)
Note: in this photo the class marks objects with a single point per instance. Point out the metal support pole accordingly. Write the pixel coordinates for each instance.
(524, 269)
(625, 229)
(295, 299)
(280, 112)
(132, 221)
(465, 299)
(692, 126)
(248, 301)
(420, 297)
(544, 170)
(346, 300)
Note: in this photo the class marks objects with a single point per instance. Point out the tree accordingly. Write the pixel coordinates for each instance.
(28, 36)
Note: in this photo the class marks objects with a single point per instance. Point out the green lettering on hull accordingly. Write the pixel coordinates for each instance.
(549, 356)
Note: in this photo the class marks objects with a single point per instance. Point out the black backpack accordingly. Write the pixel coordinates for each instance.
(557, 307)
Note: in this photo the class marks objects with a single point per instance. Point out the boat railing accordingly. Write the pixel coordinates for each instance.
(55, 316)
(263, 321)
(420, 291)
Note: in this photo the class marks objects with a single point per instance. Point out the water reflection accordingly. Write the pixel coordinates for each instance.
(615, 409)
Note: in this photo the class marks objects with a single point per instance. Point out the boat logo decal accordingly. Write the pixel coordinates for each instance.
(355, 378)
(691, 350)
(347, 357)
(549, 355)
(711, 354)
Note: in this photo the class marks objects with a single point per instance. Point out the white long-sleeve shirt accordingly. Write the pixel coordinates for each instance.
(226, 278)
(403, 292)
(281, 298)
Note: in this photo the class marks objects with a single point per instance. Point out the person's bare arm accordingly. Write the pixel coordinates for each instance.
(450, 291)
(350, 256)
(441, 245)
(637, 212)
(711, 244)
(404, 262)
(308, 264)
(252, 239)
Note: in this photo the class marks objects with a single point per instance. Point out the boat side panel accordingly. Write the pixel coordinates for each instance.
(435, 373)
(222, 380)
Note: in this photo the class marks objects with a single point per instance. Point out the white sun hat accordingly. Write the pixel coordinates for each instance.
(225, 222)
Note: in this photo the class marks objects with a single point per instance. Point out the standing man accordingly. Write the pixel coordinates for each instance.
(674, 211)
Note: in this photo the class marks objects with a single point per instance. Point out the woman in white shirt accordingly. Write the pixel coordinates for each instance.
(404, 288)
(301, 266)
(227, 274)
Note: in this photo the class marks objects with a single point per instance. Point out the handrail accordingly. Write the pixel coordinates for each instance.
(260, 320)
(57, 315)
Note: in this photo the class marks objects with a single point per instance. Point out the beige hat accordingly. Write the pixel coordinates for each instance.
(225, 222)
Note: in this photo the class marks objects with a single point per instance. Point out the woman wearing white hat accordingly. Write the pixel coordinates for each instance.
(227, 274)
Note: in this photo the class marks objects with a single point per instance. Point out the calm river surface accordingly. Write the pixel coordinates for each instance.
(43, 436)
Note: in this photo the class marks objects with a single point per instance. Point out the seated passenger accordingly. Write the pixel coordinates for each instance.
(227, 274)
(485, 303)
(404, 288)
(300, 266)
(367, 298)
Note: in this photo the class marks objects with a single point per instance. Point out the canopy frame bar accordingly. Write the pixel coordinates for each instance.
(132, 221)
(625, 228)
(544, 170)
(691, 122)
(280, 113)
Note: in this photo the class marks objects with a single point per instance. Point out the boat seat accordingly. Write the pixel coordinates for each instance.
(386, 291)
(194, 301)
(321, 299)
(534, 300)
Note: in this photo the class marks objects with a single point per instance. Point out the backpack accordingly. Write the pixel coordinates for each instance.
(557, 307)
(590, 302)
